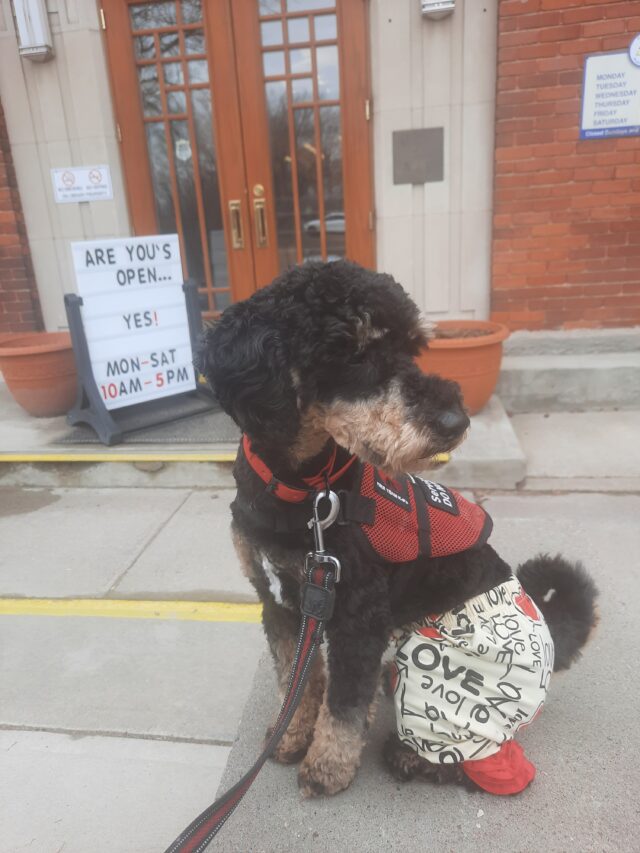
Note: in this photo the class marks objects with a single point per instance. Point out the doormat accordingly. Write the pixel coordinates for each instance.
(211, 427)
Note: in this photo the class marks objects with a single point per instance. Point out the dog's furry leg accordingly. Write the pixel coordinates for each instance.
(281, 628)
(334, 755)
(357, 640)
(405, 764)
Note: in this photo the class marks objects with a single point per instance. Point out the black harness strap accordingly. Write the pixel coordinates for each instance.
(316, 605)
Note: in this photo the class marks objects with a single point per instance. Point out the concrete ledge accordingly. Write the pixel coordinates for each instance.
(490, 457)
(553, 383)
(573, 342)
(106, 474)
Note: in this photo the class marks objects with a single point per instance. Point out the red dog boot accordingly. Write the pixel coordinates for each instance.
(507, 771)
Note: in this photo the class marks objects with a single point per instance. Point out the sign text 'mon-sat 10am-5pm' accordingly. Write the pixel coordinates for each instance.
(135, 317)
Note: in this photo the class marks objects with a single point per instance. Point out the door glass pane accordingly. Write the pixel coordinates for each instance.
(331, 138)
(176, 102)
(169, 44)
(328, 77)
(149, 90)
(194, 41)
(159, 164)
(273, 62)
(298, 29)
(307, 5)
(145, 47)
(271, 32)
(223, 299)
(269, 7)
(325, 27)
(202, 118)
(147, 16)
(307, 184)
(172, 72)
(277, 115)
(300, 60)
(302, 89)
(198, 71)
(191, 11)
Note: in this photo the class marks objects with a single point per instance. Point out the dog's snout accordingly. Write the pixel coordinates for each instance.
(452, 424)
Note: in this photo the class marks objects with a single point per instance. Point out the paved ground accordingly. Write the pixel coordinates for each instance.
(114, 731)
(585, 795)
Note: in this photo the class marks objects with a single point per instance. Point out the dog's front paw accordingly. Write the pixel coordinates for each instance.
(293, 746)
(324, 775)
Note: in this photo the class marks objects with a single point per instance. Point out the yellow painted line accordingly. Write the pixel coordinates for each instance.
(117, 457)
(105, 456)
(197, 611)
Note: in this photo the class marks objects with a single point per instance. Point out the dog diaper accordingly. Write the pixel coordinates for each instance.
(468, 679)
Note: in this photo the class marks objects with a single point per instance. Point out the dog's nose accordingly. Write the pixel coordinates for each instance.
(451, 424)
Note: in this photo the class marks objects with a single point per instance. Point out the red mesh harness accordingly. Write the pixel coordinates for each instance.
(410, 517)
(399, 519)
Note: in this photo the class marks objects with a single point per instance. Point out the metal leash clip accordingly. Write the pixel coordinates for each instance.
(319, 555)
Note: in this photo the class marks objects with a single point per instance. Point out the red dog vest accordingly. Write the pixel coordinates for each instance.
(407, 517)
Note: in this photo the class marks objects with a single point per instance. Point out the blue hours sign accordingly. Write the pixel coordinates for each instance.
(135, 318)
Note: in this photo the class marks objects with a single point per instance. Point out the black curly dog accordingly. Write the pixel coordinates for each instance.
(324, 356)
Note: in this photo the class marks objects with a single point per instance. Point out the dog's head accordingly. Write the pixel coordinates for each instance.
(328, 350)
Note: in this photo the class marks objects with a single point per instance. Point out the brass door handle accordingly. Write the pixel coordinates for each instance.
(235, 217)
(260, 219)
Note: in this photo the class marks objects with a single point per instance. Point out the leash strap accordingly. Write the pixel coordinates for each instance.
(318, 596)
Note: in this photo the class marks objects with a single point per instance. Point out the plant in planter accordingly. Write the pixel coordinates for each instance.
(40, 371)
(470, 353)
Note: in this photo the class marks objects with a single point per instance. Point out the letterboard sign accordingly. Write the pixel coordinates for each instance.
(135, 318)
(610, 96)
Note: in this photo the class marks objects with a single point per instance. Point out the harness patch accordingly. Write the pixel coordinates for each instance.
(438, 496)
(413, 517)
(392, 494)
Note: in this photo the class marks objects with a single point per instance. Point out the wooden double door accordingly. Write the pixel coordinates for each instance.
(244, 128)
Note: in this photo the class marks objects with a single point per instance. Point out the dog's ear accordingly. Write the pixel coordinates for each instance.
(244, 362)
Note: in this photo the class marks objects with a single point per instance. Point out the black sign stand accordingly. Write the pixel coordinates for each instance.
(90, 409)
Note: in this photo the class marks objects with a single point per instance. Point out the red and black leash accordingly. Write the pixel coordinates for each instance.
(317, 599)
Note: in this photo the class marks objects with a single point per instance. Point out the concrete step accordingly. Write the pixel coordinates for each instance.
(581, 451)
(570, 382)
(490, 457)
(573, 342)
(577, 370)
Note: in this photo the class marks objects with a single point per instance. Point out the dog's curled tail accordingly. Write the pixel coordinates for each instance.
(566, 594)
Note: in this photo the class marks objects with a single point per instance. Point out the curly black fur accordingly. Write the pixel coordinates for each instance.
(566, 595)
(320, 335)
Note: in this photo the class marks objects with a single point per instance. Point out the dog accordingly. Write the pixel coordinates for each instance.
(318, 371)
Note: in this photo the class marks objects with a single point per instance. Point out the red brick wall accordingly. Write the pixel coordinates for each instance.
(19, 305)
(566, 247)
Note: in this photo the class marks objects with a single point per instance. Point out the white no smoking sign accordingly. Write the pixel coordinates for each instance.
(135, 318)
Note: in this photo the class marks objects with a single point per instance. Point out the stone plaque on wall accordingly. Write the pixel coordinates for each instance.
(418, 155)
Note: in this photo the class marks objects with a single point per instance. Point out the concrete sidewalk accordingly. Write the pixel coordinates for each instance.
(114, 731)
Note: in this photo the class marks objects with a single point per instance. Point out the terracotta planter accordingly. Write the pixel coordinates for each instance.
(473, 362)
(40, 372)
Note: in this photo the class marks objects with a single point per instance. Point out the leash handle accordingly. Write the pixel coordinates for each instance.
(318, 595)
